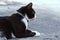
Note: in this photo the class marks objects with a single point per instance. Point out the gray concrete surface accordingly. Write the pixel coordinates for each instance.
(47, 23)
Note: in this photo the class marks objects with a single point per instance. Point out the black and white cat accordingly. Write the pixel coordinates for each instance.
(17, 23)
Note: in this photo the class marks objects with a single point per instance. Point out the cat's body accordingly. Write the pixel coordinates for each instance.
(17, 23)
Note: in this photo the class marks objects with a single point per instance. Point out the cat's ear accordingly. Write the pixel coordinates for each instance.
(29, 5)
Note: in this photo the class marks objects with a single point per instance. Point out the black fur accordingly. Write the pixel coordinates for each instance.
(13, 23)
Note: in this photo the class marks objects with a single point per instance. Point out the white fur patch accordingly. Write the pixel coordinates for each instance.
(37, 33)
(34, 17)
(25, 21)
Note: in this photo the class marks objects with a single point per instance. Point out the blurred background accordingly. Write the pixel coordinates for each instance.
(48, 16)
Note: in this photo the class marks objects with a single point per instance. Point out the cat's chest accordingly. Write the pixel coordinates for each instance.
(25, 22)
